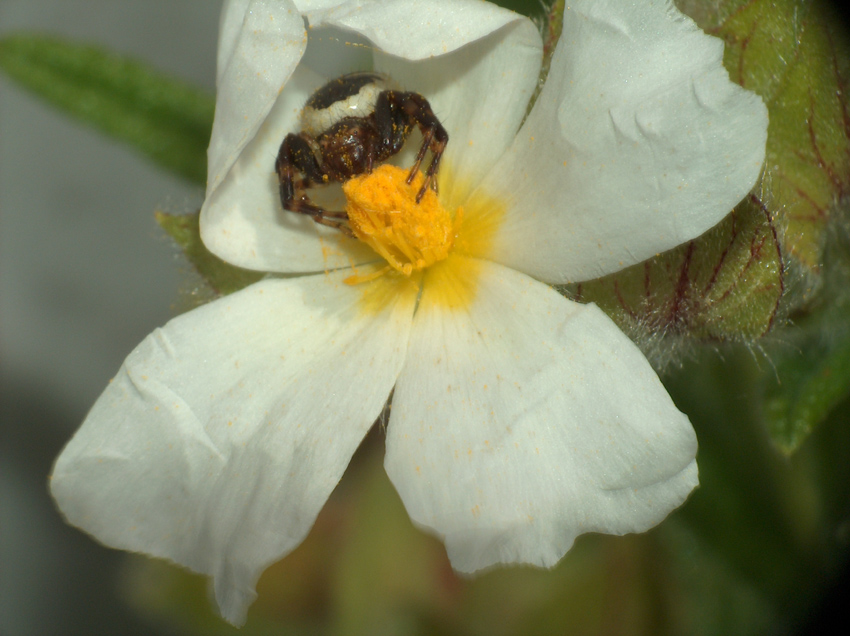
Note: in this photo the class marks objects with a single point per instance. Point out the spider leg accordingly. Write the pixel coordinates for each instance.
(395, 114)
(297, 170)
(434, 137)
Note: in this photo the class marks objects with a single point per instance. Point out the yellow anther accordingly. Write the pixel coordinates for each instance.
(383, 213)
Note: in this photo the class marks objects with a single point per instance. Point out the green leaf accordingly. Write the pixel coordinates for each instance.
(534, 9)
(812, 361)
(794, 54)
(164, 118)
(812, 384)
(222, 277)
(724, 286)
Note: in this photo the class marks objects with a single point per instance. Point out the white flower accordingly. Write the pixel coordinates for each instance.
(519, 419)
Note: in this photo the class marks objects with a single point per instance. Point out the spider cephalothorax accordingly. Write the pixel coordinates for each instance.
(348, 127)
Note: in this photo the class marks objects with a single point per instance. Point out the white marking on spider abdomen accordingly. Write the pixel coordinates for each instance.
(315, 122)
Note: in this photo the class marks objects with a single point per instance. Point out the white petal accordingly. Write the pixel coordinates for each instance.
(638, 143)
(223, 434)
(416, 30)
(242, 220)
(260, 43)
(259, 99)
(526, 420)
(480, 93)
(475, 62)
(306, 6)
(229, 27)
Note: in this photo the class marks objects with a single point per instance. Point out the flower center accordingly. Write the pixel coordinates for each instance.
(383, 213)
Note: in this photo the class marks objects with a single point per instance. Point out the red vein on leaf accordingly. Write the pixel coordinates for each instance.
(755, 249)
(719, 266)
(744, 44)
(812, 219)
(622, 300)
(756, 245)
(676, 315)
(732, 40)
(820, 210)
(776, 243)
(841, 82)
(821, 162)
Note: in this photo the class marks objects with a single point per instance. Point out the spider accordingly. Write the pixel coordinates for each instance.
(348, 126)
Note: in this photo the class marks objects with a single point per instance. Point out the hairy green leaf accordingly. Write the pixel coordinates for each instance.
(160, 116)
(795, 55)
(727, 285)
(724, 286)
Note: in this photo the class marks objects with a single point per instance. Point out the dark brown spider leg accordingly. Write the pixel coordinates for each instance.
(297, 170)
(321, 216)
(426, 141)
(434, 137)
(395, 114)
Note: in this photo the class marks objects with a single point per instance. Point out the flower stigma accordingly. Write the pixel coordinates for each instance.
(383, 213)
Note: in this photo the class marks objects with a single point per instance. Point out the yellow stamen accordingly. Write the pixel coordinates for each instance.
(383, 213)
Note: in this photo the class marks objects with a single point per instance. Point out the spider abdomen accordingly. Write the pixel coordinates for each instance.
(349, 97)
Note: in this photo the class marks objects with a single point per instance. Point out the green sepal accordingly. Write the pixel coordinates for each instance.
(164, 118)
(795, 55)
(724, 286)
(221, 277)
